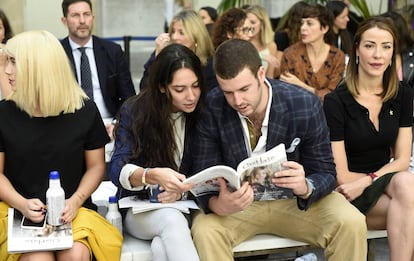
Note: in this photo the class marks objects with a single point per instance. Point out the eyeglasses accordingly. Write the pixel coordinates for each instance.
(246, 30)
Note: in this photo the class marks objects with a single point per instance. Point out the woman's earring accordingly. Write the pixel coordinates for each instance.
(357, 60)
(390, 63)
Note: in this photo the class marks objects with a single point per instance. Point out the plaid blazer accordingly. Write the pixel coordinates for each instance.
(294, 113)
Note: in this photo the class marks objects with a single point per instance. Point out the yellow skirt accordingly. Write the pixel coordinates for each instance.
(88, 227)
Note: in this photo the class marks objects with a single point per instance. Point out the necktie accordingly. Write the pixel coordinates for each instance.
(86, 77)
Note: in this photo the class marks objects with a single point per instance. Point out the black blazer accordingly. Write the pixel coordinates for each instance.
(113, 72)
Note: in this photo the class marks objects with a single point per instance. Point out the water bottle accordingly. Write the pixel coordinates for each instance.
(113, 215)
(55, 200)
(307, 257)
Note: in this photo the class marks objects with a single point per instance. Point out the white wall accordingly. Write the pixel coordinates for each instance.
(46, 14)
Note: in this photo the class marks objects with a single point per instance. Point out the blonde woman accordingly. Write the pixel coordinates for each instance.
(263, 39)
(48, 123)
(187, 28)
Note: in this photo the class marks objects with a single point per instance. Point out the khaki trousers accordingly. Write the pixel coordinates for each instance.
(331, 223)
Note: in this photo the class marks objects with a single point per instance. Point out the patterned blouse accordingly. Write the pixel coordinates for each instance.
(296, 61)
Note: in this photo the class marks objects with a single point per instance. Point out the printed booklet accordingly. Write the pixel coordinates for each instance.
(28, 237)
(256, 170)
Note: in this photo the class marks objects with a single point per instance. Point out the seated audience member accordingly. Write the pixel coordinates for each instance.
(5, 34)
(151, 145)
(343, 38)
(109, 83)
(232, 24)
(6, 31)
(172, 8)
(354, 18)
(370, 117)
(405, 57)
(277, 112)
(209, 16)
(49, 123)
(263, 39)
(313, 63)
(187, 29)
(288, 30)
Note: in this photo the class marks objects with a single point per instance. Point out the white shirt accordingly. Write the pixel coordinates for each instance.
(97, 93)
(261, 143)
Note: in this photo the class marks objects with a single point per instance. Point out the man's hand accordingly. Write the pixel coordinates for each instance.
(227, 202)
(293, 177)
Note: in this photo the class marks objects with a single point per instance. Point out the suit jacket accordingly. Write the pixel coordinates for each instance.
(113, 72)
(294, 113)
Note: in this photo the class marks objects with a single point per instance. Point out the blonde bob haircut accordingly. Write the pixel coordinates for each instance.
(44, 77)
(197, 33)
(266, 30)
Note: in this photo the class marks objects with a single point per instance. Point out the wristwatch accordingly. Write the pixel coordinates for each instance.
(311, 188)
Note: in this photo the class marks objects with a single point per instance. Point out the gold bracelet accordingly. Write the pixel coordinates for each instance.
(146, 171)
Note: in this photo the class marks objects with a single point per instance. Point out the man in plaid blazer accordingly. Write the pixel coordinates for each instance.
(247, 116)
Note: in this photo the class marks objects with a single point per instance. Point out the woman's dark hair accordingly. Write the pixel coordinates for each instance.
(227, 24)
(151, 125)
(325, 18)
(291, 24)
(212, 12)
(336, 8)
(8, 32)
(403, 32)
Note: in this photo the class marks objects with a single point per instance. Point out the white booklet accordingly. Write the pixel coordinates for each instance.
(256, 170)
(139, 205)
(46, 238)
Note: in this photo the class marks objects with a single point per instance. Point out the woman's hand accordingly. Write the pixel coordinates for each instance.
(72, 206)
(34, 209)
(272, 61)
(354, 189)
(168, 197)
(161, 41)
(168, 179)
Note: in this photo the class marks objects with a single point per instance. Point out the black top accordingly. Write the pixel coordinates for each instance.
(282, 40)
(34, 146)
(367, 149)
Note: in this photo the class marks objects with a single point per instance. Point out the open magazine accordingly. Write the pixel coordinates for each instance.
(26, 238)
(256, 170)
(139, 205)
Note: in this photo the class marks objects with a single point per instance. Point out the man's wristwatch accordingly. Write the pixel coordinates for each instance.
(311, 188)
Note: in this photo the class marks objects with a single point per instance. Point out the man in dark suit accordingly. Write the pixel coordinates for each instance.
(248, 115)
(111, 77)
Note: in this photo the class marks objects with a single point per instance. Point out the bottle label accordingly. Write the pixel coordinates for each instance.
(55, 207)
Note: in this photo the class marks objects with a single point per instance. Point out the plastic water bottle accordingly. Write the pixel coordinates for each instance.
(113, 215)
(307, 257)
(55, 200)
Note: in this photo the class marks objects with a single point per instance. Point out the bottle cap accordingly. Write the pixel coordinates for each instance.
(54, 174)
(113, 199)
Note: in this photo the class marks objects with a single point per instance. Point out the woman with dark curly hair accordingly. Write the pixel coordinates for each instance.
(232, 24)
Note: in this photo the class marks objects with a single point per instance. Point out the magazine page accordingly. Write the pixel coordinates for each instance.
(259, 170)
(205, 182)
(22, 239)
(139, 205)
